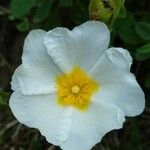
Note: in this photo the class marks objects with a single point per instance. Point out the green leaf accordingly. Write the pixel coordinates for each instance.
(40, 2)
(128, 22)
(118, 12)
(143, 52)
(66, 3)
(125, 28)
(79, 13)
(43, 11)
(3, 97)
(128, 35)
(2, 102)
(122, 12)
(147, 81)
(53, 20)
(19, 8)
(23, 26)
(143, 30)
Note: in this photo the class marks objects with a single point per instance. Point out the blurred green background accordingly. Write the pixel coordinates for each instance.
(130, 28)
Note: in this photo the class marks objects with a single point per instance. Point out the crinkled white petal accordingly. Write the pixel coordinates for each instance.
(117, 85)
(82, 46)
(37, 73)
(43, 112)
(89, 127)
(113, 61)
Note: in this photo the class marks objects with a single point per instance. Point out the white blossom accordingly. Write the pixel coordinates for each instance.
(72, 87)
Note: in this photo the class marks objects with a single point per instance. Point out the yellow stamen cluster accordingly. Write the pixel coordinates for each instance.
(75, 89)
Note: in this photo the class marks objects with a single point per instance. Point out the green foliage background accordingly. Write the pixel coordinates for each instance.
(130, 29)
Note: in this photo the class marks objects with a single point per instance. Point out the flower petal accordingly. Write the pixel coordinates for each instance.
(89, 127)
(44, 113)
(80, 47)
(37, 73)
(118, 85)
(112, 63)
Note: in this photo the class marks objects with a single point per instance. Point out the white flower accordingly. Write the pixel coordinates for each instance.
(72, 88)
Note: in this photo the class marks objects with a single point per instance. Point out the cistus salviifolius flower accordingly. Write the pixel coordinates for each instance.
(72, 87)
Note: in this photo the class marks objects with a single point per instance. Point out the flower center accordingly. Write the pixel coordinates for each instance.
(75, 89)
